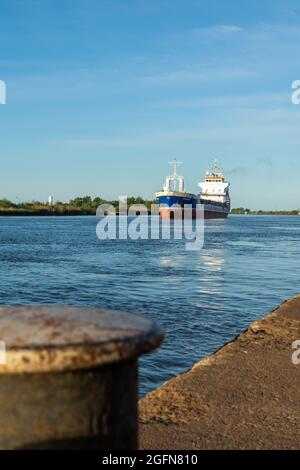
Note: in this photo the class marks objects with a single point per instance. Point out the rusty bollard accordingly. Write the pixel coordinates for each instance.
(69, 380)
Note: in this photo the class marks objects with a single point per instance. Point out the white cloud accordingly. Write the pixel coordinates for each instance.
(248, 128)
(217, 29)
(228, 29)
(248, 101)
(206, 74)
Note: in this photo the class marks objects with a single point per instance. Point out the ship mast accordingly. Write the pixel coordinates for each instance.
(175, 177)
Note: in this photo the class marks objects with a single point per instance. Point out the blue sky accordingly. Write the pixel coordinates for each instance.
(101, 94)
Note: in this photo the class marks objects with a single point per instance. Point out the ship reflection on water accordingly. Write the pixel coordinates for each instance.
(211, 282)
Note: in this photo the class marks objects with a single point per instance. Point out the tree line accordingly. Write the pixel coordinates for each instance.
(87, 205)
(84, 204)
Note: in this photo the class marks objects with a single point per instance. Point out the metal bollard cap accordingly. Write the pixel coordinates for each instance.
(49, 339)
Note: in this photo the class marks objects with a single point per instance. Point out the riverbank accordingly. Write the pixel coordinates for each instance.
(79, 206)
(44, 212)
(242, 211)
(67, 212)
(88, 206)
(244, 396)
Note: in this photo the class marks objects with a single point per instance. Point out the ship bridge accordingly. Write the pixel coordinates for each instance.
(214, 187)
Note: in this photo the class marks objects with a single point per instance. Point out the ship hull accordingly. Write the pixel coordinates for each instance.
(208, 214)
(169, 213)
(172, 206)
(177, 199)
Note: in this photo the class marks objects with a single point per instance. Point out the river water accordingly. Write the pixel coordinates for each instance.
(249, 264)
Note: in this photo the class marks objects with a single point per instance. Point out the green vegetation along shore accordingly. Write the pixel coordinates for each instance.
(78, 206)
(242, 211)
(87, 206)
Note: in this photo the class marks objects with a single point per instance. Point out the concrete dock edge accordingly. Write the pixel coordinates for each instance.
(246, 395)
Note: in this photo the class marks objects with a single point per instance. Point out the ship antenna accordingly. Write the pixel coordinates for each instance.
(216, 169)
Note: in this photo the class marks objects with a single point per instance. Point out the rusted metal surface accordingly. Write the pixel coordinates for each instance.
(70, 380)
(43, 339)
(87, 409)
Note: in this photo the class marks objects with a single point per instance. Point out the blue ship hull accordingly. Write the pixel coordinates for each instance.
(180, 200)
(212, 209)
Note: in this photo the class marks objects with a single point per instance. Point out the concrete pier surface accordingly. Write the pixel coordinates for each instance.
(244, 396)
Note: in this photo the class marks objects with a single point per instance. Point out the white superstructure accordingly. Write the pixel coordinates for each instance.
(214, 188)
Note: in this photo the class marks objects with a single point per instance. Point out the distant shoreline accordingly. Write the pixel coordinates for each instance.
(261, 212)
(87, 205)
(44, 213)
(51, 212)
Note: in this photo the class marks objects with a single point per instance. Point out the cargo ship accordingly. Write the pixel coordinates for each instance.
(213, 197)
